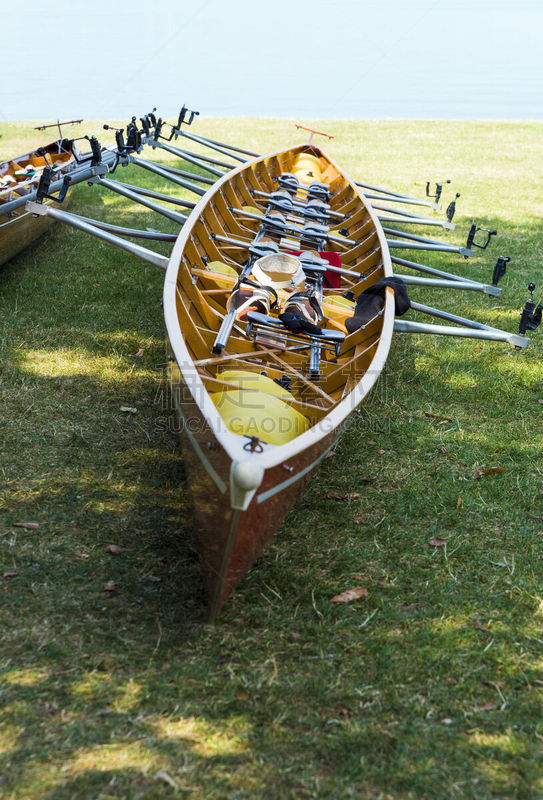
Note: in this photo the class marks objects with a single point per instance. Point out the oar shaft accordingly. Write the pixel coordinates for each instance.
(220, 147)
(437, 312)
(398, 196)
(168, 175)
(166, 198)
(118, 189)
(514, 339)
(444, 283)
(73, 220)
(192, 159)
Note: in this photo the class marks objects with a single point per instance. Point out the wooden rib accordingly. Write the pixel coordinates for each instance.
(302, 378)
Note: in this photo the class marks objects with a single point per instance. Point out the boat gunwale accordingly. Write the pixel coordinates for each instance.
(232, 443)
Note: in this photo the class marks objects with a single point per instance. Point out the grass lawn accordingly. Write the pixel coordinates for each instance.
(429, 687)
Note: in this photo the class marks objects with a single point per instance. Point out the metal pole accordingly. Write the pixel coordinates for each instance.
(515, 339)
(152, 167)
(412, 236)
(184, 153)
(73, 220)
(219, 146)
(469, 286)
(137, 234)
(398, 196)
(186, 157)
(167, 198)
(115, 187)
(182, 173)
(437, 312)
(430, 270)
(443, 247)
(413, 219)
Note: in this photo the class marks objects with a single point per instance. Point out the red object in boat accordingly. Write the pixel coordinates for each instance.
(333, 279)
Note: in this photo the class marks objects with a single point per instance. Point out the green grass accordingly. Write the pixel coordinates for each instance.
(287, 696)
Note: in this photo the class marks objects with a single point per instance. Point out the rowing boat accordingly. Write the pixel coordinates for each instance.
(19, 177)
(259, 412)
(280, 302)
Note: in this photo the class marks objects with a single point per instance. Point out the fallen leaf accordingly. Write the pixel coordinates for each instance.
(486, 707)
(350, 595)
(331, 454)
(140, 352)
(451, 681)
(110, 586)
(386, 584)
(443, 450)
(437, 542)
(488, 471)
(163, 776)
(114, 549)
(459, 502)
(154, 578)
(31, 526)
(333, 495)
(104, 712)
(381, 451)
(370, 441)
(540, 401)
(242, 697)
(437, 416)
(480, 626)
(10, 573)
(358, 519)
(96, 285)
(128, 409)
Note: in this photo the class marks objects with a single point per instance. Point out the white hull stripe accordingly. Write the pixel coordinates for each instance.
(219, 483)
(261, 498)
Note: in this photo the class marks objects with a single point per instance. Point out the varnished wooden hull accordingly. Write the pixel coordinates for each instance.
(230, 536)
(21, 231)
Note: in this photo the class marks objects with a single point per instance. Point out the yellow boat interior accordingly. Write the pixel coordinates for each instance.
(263, 373)
(19, 175)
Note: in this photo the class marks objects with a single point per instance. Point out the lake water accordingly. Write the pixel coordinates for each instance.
(299, 59)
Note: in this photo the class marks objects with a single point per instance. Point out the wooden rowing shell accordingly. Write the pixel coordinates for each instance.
(18, 177)
(242, 485)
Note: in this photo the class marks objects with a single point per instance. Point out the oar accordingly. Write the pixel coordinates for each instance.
(118, 188)
(491, 334)
(192, 158)
(72, 219)
(406, 218)
(410, 241)
(167, 198)
(396, 197)
(167, 174)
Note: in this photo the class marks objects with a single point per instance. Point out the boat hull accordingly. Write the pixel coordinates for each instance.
(242, 485)
(229, 541)
(22, 230)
